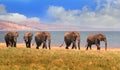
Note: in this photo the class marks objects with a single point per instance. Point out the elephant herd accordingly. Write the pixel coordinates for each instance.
(43, 37)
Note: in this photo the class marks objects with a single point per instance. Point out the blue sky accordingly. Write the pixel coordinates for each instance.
(83, 13)
(38, 8)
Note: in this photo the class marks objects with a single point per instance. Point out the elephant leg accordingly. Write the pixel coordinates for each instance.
(44, 45)
(87, 47)
(79, 45)
(68, 44)
(38, 44)
(98, 47)
(29, 45)
(74, 45)
(90, 47)
(7, 43)
(26, 45)
(66, 47)
(49, 45)
(14, 44)
(97, 43)
(37, 47)
(11, 44)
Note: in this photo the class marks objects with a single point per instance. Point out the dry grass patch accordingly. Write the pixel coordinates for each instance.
(58, 58)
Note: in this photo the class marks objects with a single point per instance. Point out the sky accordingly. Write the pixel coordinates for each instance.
(83, 13)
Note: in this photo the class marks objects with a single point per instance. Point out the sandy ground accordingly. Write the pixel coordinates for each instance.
(22, 45)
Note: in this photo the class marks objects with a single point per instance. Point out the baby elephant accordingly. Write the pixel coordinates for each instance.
(28, 38)
(42, 37)
(11, 38)
(95, 39)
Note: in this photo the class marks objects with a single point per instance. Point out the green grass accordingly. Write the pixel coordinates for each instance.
(58, 59)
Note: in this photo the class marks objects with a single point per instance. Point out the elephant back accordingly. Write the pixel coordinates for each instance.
(39, 36)
(9, 35)
(68, 35)
(43, 36)
(91, 37)
(28, 34)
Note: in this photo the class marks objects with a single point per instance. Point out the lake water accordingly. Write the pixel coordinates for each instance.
(57, 37)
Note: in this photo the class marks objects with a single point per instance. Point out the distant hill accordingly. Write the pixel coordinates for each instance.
(6, 25)
(31, 25)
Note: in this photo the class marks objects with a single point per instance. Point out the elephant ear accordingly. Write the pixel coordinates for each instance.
(8, 34)
(30, 34)
(74, 34)
(100, 36)
(16, 34)
(38, 33)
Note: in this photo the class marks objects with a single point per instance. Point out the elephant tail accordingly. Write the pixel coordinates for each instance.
(61, 44)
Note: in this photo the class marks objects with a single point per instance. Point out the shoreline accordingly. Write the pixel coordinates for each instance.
(82, 48)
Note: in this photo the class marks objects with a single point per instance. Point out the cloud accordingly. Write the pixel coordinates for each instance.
(15, 17)
(60, 15)
(106, 15)
(116, 4)
(2, 9)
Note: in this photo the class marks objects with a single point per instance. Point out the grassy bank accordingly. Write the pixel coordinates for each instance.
(21, 58)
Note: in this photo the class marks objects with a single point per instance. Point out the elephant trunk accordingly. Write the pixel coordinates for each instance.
(79, 44)
(105, 44)
(49, 42)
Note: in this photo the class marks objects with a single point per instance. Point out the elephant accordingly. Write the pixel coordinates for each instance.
(95, 39)
(11, 38)
(71, 37)
(42, 37)
(27, 38)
